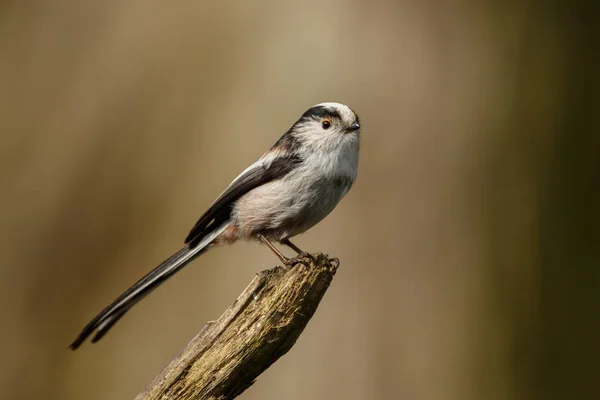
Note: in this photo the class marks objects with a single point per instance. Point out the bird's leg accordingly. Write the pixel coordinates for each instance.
(288, 243)
(297, 249)
(284, 259)
(291, 245)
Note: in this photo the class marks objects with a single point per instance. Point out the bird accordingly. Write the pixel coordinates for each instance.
(288, 190)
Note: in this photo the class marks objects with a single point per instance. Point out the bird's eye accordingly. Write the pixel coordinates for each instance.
(326, 123)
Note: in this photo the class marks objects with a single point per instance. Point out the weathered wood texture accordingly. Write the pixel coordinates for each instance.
(263, 323)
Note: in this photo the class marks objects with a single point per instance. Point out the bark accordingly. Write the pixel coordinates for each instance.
(265, 321)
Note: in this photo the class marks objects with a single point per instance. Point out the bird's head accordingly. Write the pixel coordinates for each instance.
(326, 125)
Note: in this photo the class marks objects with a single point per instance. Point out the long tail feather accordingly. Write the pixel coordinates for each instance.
(111, 314)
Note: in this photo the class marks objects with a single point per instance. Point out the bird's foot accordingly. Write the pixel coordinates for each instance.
(334, 261)
(302, 258)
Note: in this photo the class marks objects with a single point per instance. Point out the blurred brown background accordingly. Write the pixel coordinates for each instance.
(469, 244)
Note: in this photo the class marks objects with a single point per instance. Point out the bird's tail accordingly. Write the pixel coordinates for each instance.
(111, 314)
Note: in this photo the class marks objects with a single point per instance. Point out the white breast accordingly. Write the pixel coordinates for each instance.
(286, 207)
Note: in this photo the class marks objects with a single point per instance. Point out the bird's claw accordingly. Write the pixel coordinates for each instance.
(302, 258)
(335, 261)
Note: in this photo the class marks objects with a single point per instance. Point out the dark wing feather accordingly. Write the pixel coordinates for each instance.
(250, 179)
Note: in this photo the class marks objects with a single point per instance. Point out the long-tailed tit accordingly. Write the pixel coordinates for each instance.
(287, 191)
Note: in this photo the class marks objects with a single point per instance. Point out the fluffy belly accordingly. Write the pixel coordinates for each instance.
(285, 208)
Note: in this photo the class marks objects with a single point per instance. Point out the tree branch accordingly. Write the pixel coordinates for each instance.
(265, 321)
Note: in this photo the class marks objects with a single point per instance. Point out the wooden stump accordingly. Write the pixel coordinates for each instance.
(265, 321)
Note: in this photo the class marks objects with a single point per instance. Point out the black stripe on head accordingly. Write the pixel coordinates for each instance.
(319, 112)
(289, 142)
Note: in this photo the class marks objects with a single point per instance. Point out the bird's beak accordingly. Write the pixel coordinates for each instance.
(354, 127)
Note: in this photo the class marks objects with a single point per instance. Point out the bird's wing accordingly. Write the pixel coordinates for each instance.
(264, 170)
